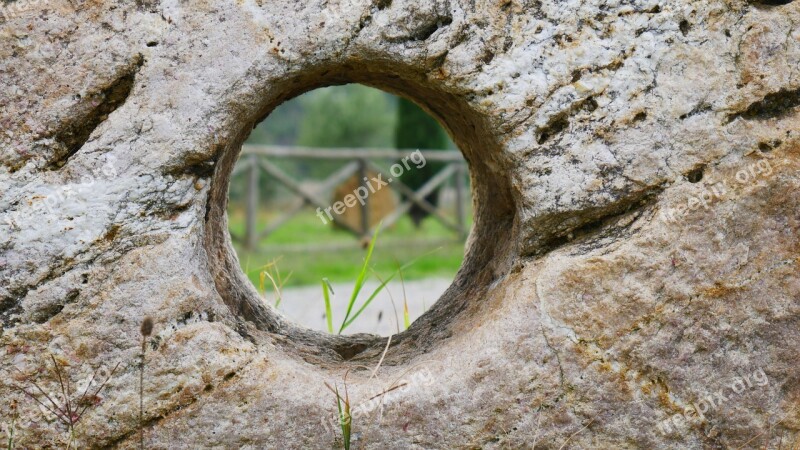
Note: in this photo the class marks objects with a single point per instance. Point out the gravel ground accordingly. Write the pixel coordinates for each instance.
(305, 305)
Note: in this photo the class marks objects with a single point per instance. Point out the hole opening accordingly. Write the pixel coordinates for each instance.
(696, 175)
(489, 255)
(331, 173)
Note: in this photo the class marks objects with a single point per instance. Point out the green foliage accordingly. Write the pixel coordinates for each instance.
(272, 272)
(345, 416)
(417, 130)
(352, 115)
(347, 116)
(326, 294)
(339, 116)
(306, 267)
(406, 316)
(351, 316)
(343, 116)
(362, 277)
(281, 128)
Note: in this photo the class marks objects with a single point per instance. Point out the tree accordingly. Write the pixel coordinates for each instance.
(347, 116)
(344, 116)
(417, 130)
(353, 115)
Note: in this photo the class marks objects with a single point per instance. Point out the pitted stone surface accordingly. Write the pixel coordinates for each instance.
(635, 168)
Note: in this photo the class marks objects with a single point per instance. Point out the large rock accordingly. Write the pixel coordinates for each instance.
(635, 250)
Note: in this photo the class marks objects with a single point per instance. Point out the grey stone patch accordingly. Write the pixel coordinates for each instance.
(599, 296)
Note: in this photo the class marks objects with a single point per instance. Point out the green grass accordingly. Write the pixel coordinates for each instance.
(307, 267)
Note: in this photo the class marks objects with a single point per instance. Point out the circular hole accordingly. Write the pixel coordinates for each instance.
(766, 147)
(696, 175)
(328, 176)
(490, 254)
(684, 26)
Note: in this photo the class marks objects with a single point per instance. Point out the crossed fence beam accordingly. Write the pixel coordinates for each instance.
(255, 159)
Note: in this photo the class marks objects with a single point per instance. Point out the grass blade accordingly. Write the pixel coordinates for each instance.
(360, 280)
(406, 319)
(56, 412)
(378, 291)
(347, 422)
(367, 302)
(64, 391)
(272, 272)
(328, 313)
(98, 390)
(61, 410)
(281, 283)
(275, 288)
(394, 306)
(262, 285)
(344, 413)
(341, 418)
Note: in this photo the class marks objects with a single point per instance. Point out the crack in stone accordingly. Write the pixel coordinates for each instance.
(617, 366)
(572, 108)
(776, 105)
(597, 223)
(770, 2)
(75, 132)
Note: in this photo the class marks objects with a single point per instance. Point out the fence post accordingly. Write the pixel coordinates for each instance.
(362, 175)
(460, 199)
(251, 233)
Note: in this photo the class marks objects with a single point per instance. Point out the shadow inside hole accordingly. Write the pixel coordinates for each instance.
(696, 175)
(685, 26)
(766, 147)
(771, 2)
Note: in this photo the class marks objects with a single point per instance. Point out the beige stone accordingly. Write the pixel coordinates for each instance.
(602, 291)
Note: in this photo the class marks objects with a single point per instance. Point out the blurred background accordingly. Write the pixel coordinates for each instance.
(314, 150)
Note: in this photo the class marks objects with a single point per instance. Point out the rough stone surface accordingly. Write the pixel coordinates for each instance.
(598, 295)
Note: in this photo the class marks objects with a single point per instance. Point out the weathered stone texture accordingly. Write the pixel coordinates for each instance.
(635, 168)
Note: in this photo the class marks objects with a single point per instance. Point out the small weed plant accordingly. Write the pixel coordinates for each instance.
(353, 311)
(68, 409)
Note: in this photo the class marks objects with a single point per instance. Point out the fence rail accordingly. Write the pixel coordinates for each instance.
(349, 153)
(257, 160)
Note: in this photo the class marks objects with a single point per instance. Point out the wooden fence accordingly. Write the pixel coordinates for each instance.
(256, 160)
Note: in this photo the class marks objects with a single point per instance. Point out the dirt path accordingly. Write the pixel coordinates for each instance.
(305, 305)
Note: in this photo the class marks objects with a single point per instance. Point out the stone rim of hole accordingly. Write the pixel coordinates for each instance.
(486, 258)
